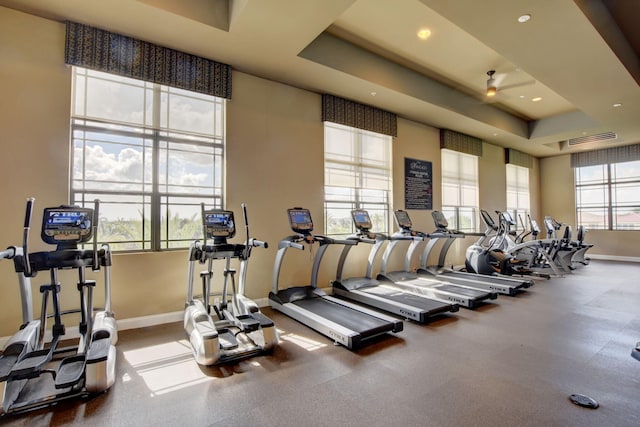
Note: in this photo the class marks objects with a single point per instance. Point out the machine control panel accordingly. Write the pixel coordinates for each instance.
(403, 220)
(361, 220)
(219, 223)
(440, 220)
(300, 220)
(69, 224)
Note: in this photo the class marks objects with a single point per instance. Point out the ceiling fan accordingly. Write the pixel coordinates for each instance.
(494, 83)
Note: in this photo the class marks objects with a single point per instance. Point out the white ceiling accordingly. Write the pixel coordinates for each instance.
(577, 55)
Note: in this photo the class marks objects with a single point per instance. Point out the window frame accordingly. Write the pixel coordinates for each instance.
(456, 213)
(521, 192)
(609, 183)
(160, 199)
(355, 197)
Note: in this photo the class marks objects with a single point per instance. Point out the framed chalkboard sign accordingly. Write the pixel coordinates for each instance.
(418, 185)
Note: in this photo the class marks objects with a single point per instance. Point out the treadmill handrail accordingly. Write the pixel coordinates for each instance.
(377, 241)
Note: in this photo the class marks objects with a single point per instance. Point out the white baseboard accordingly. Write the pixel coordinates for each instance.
(614, 258)
(134, 323)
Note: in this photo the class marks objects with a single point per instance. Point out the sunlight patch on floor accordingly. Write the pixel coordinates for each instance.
(304, 342)
(166, 367)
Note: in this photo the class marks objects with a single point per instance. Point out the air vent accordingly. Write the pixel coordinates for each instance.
(606, 136)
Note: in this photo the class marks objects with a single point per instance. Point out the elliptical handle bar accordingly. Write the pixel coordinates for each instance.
(9, 253)
(204, 232)
(256, 243)
(248, 244)
(25, 236)
(296, 245)
(96, 218)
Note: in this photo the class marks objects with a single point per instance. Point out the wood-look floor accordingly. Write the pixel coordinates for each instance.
(510, 363)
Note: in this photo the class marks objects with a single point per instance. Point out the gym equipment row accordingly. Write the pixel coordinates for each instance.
(228, 326)
(418, 296)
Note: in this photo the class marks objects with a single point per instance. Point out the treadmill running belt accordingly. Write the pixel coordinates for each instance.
(471, 293)
(358, 322)
(407, 298)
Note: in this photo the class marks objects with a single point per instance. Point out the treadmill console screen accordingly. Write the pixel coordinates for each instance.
(487, 218)
(219, 223)
(535, 228)
(440, 220)
(508, 218)
(361, 219)
(403, 220)
(70, 224)
(300, 220)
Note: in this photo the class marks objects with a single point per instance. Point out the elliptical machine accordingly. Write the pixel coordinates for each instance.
(33, 373)
(240, 330)
(489, 260)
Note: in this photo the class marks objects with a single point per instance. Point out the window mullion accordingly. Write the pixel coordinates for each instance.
(155, 183)
(610, 193)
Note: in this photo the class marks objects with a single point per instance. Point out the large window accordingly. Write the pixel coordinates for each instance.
(150, 153)
(608, 196)
(357, 176)
(518, 199)
(460, 189)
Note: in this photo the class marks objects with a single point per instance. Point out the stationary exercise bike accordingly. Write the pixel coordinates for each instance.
(35, 373)
(240, 329)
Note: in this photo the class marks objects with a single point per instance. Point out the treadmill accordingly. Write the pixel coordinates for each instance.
(344, 322)
(382, 295)
(406, 279)
(502, 285)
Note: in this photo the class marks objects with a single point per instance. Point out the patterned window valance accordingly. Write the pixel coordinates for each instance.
(456, 141)
(361, 116)
(628, 153)
(518, 158)
(101, 50)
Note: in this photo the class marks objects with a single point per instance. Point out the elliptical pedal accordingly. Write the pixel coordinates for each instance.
(227, 340)
(249, 324)
(265, 322)
(11, 355)
(99, 349)
(31, 365)
(70, 371)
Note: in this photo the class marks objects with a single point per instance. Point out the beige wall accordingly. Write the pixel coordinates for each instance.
(34, 133)
(558, 200)
(274, 161)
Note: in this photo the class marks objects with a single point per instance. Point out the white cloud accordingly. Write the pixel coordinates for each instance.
(192, 179)
(103, 166)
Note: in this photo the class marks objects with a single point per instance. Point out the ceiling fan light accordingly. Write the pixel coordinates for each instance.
(491, 83)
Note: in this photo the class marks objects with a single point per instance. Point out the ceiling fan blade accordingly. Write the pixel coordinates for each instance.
(498, 78)
(516, 85)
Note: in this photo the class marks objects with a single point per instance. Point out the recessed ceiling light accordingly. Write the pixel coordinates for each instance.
(524, 18)
(536, 99)
(374, 93)
(617, 104)
(424, 33)
(521, 96)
